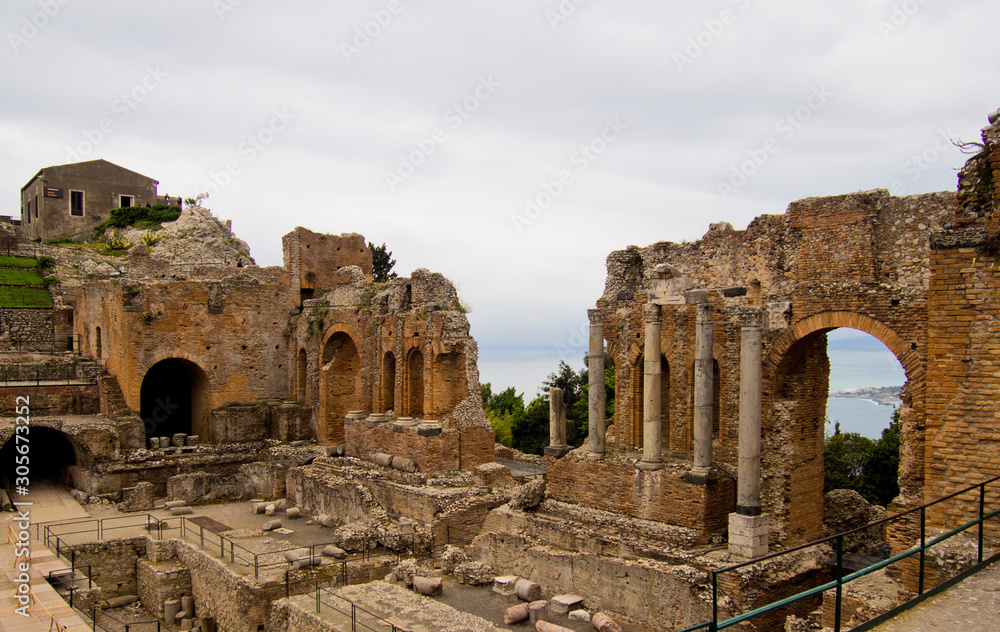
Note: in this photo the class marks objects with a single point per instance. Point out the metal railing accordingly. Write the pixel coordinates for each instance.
(51, 346)
(37, 375)
(842, 578)
(358, 617)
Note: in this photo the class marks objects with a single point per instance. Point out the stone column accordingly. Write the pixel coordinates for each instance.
(557, 424)
(596, 430)
(703, 389)
(749, 529)
(748, 486)
(652, 429)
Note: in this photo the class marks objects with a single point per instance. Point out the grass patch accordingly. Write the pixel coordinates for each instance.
(18, 262)
(24, 298)
(20, 276)
(140, 216)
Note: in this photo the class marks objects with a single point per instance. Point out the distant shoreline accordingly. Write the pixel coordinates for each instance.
(881, 395)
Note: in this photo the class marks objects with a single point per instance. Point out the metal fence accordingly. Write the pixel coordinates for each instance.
(39, 375)
(55, 345)
(974, 493)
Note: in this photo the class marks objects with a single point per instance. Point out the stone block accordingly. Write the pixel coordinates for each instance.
(334, 552)
(538, 611)
(178, 439)
(271, 525)
(293, 513)
(305, 562)
(749, 535)
(504, 584)
(295, 554)
(269, 509)
(579, 615)
(170, 504)
(404, 464)
(138, 498)
(562, 604)
(429, 586)
(383, 459)
(181, 511)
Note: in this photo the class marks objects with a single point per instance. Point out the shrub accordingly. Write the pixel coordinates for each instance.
(132, 215)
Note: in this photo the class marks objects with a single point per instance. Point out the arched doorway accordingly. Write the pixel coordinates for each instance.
(389, 382)
(415, 384)
(341, 384)
(175, 398)
(59, 455)
(796, 386)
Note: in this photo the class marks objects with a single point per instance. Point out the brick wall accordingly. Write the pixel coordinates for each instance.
(617, 485)
(453, 449)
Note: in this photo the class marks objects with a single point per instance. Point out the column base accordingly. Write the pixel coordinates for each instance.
(649, 465)
(700, 476)
(556, 450)
(748, 535)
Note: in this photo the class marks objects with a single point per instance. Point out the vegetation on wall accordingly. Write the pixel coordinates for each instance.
(142, 217)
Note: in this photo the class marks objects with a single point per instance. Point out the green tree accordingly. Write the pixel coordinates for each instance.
(382, 263)
(502, 409)
(870, 468)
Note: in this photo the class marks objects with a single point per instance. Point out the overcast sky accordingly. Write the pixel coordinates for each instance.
(429, 125)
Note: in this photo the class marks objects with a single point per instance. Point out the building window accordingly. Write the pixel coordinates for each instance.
(76, 203)
(29, 211)
(125, 201)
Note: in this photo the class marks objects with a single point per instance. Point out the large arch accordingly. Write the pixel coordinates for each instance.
(341, 385)
(53, 463)
(795, 387)
(175, 397)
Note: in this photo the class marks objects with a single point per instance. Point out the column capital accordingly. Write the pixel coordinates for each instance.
(652, 313)
(703, 312)
(596, 316)
(751, 316)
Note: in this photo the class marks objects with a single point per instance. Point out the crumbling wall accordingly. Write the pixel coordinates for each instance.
(858, 260)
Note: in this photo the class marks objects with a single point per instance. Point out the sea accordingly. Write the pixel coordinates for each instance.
(857, 360)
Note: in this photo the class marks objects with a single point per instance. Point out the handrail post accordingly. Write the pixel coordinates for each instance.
(354, 617)
(840, 583)
(923, 543)
(715, 602)
(982, 511)
(317, 600)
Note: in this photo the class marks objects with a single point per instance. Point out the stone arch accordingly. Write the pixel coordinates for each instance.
(341, 388)
(62, 452)
(388, 382)
(634, 418)
(795, 386)
(176, 397)
(413, 384)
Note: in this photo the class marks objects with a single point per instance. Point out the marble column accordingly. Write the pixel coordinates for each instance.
(652, 432)
(703, 389)
(597, 429)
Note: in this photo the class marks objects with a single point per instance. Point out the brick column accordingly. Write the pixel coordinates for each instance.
(596, 430)
(652, 431)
